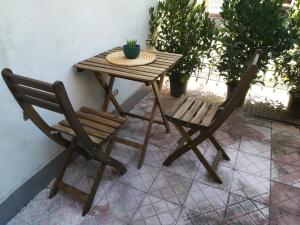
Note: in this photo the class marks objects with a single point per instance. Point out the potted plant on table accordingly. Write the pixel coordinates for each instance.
(182, 27)
(248, 25)
(131, 49)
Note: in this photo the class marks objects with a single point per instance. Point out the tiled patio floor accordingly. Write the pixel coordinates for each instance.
(261, 182)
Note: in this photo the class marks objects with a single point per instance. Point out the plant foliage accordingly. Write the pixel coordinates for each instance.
(249, 25)
(183, 27)
(131, 43)
(288, 64)
(288, 67)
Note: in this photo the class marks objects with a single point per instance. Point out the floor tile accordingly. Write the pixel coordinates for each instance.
(65, 211)
(123, 153)
(225, 173)
(253, 164)
(258, 122)
(251, 186)
(102, 220)
(17, 221)
(186, 165)
(244, 211)
(279, 217)
(286, 154)
(227, 138)
(203, 198)
(120, 201)
(256, 132)
(155, 209)
(155, 156)
(141, 179)
(75, 171)
(211, 152)
(171, 187)
(37, 207)
(190, 217)
(256, 147)
(285, 138)
(286, 173)
(161, 138)
(286, 198)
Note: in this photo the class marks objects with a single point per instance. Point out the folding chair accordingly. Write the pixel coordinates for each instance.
(89, 129)
(206, 117)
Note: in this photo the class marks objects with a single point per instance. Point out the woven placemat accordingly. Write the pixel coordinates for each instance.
(118, 58)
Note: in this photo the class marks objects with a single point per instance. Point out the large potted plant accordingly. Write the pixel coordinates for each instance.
(183, 27)
(248, 25)
(288, 64)
(288, 68)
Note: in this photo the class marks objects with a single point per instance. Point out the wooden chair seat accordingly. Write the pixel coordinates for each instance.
(98, 125)
(193, 111)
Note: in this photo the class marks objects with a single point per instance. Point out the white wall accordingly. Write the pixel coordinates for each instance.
(43, 39)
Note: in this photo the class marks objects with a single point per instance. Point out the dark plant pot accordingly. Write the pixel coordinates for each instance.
(230, 88)
(177, 87)
(131, 53)
(293, 108)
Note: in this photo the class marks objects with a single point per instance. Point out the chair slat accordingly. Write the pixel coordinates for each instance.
(183, 108)
(202, 111)
(32, 83)
(193, 110)
(103, 114)
(41, 103)
(98, 119)
(88, 123)
(24, 90)
(170, 112)
(210, 114)
(70, 131)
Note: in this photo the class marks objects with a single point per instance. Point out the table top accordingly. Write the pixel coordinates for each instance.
(146, 73)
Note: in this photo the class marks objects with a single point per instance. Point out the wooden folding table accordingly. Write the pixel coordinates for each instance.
(151, 75)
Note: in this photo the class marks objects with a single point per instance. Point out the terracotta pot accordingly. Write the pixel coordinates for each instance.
(293, 108)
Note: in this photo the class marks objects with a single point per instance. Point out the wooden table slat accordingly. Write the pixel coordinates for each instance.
(144, 68)
(118, 74)
(122, 69)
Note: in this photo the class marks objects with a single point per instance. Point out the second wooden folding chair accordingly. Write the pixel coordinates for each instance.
(206, 117)
(89, 127)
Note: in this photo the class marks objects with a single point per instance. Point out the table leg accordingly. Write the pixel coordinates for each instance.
(108, 91)
(158, 102)
(107, 94)
(147, 136)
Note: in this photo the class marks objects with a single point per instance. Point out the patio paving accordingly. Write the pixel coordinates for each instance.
(261, 182)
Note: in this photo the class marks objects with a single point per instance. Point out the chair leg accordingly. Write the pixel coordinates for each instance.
(177, 153)
(219, 147)
(62, 169)
(98, 178)
(197, 152)
(94, 188)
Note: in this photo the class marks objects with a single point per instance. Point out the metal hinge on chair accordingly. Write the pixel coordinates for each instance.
(55, 132)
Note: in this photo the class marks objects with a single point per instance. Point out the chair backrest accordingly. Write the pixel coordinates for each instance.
(29, 92)
(239, 92)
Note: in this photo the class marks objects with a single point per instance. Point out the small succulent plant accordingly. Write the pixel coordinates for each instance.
(131, 43)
